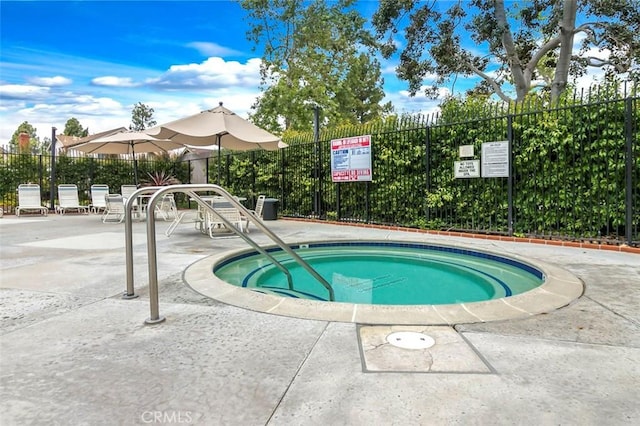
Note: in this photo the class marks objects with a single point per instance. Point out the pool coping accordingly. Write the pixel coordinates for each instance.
(559, 289)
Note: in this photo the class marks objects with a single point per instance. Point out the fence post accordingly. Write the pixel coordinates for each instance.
(316, 148)
(629, 169)
(427, 171)
(510, 178)
(338, 215)
(367, 200)
(283, 181)
(52, 184)
(41, 173)
(252, 154)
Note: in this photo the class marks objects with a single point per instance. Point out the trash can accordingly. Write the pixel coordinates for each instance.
(270, 209)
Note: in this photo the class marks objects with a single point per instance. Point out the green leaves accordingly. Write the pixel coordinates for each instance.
(142, 117)
(313, 56)
(515, 43)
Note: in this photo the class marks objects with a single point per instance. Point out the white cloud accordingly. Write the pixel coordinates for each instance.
(212, 49)
(213, 73)
(50, 81)
(23, 91)
(180, 91)
(95, 113)
(419, 104)
(111, 81)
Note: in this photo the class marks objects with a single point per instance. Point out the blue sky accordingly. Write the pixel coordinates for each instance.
(94, 60)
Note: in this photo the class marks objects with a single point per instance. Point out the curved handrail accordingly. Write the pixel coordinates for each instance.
(248, 240)
(189, 189)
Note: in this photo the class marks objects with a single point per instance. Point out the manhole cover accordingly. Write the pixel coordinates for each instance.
(410, 340)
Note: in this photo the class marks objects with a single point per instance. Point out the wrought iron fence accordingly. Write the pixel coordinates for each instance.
(574, 174)
(17, 168)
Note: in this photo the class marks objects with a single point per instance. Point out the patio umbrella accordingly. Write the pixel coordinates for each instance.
(218, 126)
(128, 142)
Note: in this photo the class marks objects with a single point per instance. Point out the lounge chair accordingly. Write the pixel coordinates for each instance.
(98, 192)
(29, 199)
(257, 211)
(68, 199)
(126, 191)
(114, 210)
(215, 225)
(167, 208)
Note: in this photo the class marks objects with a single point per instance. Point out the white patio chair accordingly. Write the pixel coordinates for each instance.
(257, 211)
(215, 225)
(98, 192)
(167, 208)
(29, 199)
(68, 199)
(114, 210)
(126, 191)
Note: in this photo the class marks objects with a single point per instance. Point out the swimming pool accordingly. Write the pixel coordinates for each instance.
(384, 273)
(552, 287)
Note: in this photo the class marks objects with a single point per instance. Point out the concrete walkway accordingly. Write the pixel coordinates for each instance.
(73, 352)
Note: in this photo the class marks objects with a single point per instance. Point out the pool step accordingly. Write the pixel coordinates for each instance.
(285, 292)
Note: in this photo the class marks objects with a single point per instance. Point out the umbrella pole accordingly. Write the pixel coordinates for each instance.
(219, 160)
(135, 164)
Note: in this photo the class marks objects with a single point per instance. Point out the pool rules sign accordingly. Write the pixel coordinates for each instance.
(351, 159)
(495, 161)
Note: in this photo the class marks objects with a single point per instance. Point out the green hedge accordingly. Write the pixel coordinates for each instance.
(569, 173)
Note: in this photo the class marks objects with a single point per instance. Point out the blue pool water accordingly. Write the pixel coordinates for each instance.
(385, 273)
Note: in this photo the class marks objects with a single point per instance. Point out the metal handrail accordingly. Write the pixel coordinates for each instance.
(128, 236)
(190, 189)
(207, 207)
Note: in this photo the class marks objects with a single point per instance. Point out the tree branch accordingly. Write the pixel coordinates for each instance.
(513, 60)
(492, 82)
(567, 26)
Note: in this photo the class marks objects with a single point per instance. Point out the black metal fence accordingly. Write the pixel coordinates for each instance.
(16, 168)
(574, 173)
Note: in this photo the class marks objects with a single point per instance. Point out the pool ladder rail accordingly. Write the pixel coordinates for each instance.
(190, 189)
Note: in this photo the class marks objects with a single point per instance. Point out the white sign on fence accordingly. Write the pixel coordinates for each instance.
(466, 151)
(351, 159)
(495, 159)
(466, 169)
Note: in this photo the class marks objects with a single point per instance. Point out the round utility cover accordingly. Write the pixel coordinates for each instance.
(410, 340)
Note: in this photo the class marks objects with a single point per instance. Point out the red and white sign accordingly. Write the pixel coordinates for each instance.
(351, 159)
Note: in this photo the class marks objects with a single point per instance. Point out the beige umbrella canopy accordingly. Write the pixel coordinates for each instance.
(218, 126)
(128, 142)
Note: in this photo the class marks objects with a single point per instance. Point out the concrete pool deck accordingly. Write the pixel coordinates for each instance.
(72, 351)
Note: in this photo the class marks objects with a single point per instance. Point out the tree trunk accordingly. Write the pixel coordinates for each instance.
(567, 28)
(520, 81)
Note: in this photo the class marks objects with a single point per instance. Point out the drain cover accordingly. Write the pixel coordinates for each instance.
(410, 340)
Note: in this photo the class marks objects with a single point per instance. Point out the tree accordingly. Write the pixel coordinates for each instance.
(533, 44)
(141, 117)
(312, 55)
(34, 141)
(73, 128)
(360, 93)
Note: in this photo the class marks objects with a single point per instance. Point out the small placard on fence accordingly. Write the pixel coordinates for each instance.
(466, 169)
(466, 151)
